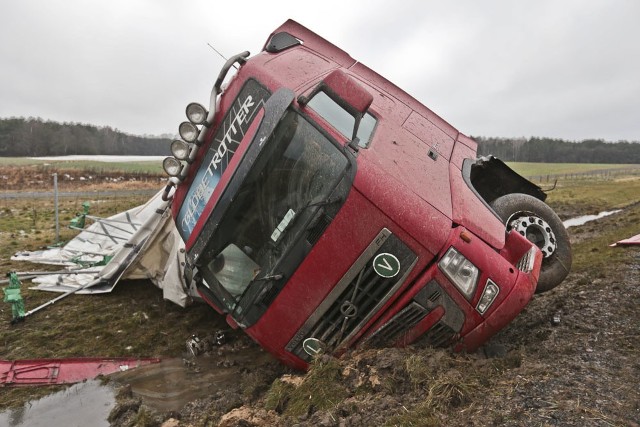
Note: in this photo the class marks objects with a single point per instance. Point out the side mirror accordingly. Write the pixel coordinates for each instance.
(346, 92)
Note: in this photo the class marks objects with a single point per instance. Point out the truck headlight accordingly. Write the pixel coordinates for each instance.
(188, 131)
(491, 291)
(460, 271)
(196, 113)
(180, 149)
(172, 166)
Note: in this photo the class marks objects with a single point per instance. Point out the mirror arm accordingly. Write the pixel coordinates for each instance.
(354, 138)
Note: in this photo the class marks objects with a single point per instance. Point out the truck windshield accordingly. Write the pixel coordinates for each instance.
(294, 174)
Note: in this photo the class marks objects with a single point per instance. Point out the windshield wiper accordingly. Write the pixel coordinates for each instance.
(291, 215)
(268, 277)
(259, 293)
(325, 202)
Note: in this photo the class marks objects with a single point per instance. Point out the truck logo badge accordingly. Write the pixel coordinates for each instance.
(386, 265)
(348, 309)
(313, 346)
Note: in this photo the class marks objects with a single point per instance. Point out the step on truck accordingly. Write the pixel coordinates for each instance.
(323, 208)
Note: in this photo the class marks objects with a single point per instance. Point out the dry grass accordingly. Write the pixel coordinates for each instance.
(321, 390)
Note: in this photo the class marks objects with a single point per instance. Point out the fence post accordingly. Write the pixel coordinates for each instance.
(55, 202)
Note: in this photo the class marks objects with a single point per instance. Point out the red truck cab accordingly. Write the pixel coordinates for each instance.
(324, 208)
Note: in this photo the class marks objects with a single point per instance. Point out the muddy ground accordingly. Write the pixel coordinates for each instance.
(572, 358)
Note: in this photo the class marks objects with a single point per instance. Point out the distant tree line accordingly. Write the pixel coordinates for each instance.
(32, 137)
(548, 150)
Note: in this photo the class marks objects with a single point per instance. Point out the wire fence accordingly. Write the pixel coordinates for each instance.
(601, 174)
(111, 194)
(33, 218)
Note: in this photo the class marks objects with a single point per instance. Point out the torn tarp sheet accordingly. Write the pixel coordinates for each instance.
(143, 243)
(635, 240)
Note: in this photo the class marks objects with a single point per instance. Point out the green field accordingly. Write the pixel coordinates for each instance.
(145, 167)
(538, 169)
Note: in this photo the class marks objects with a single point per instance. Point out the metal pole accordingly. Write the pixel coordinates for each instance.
(106, 222)
(26, 275)
(53, 301)
(97, 218)
(112, 237)
(31, 274)
(55, 198)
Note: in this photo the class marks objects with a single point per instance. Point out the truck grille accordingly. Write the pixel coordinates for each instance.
(360, 293)
(439, 335)
(409, 317)
(425, 301)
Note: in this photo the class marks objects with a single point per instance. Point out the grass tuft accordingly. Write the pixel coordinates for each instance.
(322, 389)
(278, 396)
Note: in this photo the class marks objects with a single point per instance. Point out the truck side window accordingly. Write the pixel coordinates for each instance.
(340, 119)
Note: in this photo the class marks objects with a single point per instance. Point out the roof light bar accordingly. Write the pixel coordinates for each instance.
(188, 131)
(172, 166)
(196, 113)
(180, 149)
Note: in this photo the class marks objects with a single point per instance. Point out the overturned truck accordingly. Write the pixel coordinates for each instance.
(323, 208)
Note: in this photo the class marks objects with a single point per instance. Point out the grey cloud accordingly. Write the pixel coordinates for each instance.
(518, 68)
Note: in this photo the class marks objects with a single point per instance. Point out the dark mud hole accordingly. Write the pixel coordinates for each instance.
(195, 389)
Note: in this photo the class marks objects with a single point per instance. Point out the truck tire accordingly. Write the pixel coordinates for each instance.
(535, 220)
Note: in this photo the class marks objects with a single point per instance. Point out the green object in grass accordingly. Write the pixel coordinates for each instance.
(84, 263)
(13, 297)
(78, 220)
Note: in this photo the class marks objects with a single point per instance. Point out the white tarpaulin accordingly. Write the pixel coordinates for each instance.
(141, 243)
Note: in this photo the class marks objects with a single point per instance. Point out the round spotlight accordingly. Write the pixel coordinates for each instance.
(188, 131)
(180, 149)
(172, 166)
(196, 113)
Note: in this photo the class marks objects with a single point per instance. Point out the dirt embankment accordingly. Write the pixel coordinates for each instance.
(572, 358)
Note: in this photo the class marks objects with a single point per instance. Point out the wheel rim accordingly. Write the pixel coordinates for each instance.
(537, 231)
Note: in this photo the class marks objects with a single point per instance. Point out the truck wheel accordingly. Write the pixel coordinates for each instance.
(535, 220)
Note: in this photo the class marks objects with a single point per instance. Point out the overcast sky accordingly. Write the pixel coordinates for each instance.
(557, 68)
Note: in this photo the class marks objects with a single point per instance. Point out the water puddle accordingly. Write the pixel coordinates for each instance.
(170, 384)
(83, 404)
(581, 220)
(165, 386)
